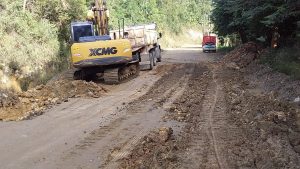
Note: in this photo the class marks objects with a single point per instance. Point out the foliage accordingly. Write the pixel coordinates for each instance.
(225, 49)
(170, 15)
(33, 42)
(256, 20)
(285, 60)
(59, 14)
(26, 41)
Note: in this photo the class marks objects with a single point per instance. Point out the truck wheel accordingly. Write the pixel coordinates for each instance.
(136, 57)
(154, 57)
(151, 59)
(158, 55)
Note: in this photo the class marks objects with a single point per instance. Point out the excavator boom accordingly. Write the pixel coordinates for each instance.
(101, 17)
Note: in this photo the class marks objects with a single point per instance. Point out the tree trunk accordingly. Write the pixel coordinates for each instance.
(243, 36)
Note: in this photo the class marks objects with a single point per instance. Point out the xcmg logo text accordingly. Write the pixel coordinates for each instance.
(103, 51)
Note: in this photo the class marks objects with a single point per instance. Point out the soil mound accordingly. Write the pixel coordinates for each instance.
(156, 149)
(242, 56)
(34, 102)
(282, 86)
(8, 98)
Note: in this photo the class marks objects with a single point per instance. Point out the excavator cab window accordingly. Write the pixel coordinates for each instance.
(81, 30)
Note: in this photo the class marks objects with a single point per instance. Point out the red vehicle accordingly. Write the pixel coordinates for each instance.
(209, 44)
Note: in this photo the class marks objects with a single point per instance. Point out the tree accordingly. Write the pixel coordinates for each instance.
(170, 15)
(256, 20)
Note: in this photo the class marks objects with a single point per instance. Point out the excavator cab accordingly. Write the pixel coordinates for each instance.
(81, 29)
(84, 32)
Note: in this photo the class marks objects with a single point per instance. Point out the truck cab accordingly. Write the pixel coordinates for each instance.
(209, 44)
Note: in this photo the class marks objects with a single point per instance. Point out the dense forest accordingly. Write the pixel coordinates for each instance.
(258, 20)
(171, 15)
(274, 24)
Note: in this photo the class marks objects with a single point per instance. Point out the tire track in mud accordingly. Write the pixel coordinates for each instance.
(208, 127)
(205, 140)
(220, 117)
(169, 96)
(129, 125)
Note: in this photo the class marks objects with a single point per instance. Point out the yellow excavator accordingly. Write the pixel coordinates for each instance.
(94, 53)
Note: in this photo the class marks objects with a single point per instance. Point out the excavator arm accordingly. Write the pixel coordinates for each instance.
(101, 17)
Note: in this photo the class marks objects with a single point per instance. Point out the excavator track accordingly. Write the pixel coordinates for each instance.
(111, 76)
(118, 75)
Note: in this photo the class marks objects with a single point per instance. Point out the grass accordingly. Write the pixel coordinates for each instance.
(30, 49)
(225, 49)
(285, 60)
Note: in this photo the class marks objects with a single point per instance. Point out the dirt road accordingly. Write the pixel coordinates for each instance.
(82, 132)
(188, 92)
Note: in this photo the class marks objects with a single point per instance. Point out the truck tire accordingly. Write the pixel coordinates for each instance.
(158, 54)
(154, 57)
(151, 60)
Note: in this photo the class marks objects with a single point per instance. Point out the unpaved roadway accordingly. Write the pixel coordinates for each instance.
(81, 133)
(186, 92)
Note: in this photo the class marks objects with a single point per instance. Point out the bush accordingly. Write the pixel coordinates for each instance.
(34, 43)
(26, 41)
(225, 49)
(285, 60)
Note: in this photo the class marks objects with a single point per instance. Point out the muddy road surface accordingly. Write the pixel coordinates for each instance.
(82, 132)
(189, 112)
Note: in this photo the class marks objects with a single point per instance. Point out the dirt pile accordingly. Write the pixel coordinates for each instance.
(25, 105)
(8, 98)
(270, 81)
(156, 150)
(271, 135)
(256, 103)
(255, 129)
(161, 148)
(242, 56)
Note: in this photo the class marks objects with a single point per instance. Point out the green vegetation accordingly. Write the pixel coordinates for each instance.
(285, 60)
(257, 20)
(173, 17)
(265, 22)
(34, 34)
(34, 38)
(225, 49)
(24, 40)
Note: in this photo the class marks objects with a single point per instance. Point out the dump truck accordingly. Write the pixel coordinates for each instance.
(95, 54)
(209, 43)
(144, 40)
